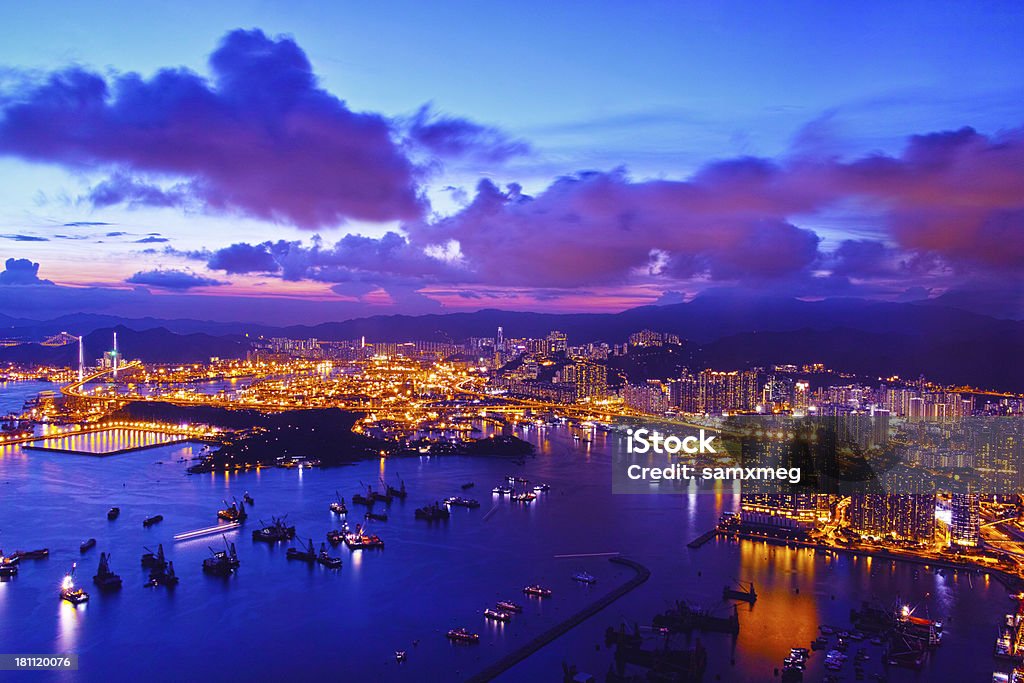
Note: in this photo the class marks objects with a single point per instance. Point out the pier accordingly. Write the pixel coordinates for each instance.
(702, 539)
(521, 653)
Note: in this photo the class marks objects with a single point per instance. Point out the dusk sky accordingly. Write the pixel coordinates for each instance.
(302, 162)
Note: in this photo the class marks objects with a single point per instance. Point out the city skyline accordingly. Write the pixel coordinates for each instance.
(274, 173)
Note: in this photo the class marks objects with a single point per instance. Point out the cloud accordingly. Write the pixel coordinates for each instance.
(452, 136)
(260, 138)
(172, 279)
(152, 240)
(21, 271)
(24, 238)
(85, 224)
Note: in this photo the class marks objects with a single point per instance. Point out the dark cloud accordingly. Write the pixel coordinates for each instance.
(242, 258)
(85, 224)
(259, 138)
(115, 234)
(24, 238)
(152, 240)
(172, 279)
(21, 271)
(452, 136)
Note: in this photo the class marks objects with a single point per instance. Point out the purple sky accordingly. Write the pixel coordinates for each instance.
(286, 174)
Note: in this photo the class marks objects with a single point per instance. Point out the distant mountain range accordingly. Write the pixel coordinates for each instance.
(874, 338)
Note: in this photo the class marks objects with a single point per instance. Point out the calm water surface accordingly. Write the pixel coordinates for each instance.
(285, 620)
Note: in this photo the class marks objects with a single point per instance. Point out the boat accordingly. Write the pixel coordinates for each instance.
(537, 591)
(105, 579)
(584, 577)
(8, 566)
(337, 536)
(379, 516)
(360, 499)
(502, 490)
(462, 635)
(150, 521)
(163, 577)
(360, 540)
(306, 554)
(468, 485)
(741, 593)
(151, 560)
(276, 532)
(76, 596)
(541, 488)
(113, 513)
(40, 554)
(222, 562)
(338, 507)
(248, 499)
(400, 655)
(496, 615)
(462, 502)
(509, 606)
(399, 492)
(87, 545)
(433, 512)
(233, 513)
(326, 560)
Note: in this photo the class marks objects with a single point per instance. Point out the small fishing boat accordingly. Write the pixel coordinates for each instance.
(379, 516)
(537, 591)
(87, 545)
(509, 606)
(468, 485)
(584, 577)
(113, 513)
(496, 615)
(248, 499)
(400, 655)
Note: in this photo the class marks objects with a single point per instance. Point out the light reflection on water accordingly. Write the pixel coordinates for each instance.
(429, 578)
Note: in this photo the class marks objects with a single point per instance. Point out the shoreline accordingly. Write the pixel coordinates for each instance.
(1012, 582)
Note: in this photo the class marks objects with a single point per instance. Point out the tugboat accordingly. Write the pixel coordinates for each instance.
(399, 493)
(468, 485)
(584, 577)
(163, 577)
(304, 555)
(379, 516)
(462, 635)
(462, 502)
(222, 562)
(338, 507)
(235, 513)
(326, 560)
(76, 596)
(746, 594)
(274, 533)
(537, 591)
(509, 606)
(150, 521)
(105, 579)
(248, 499)
(497, 615)
(433, 512)
(151, 560)
(362, 540)
(113, 513)
(87, 545)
